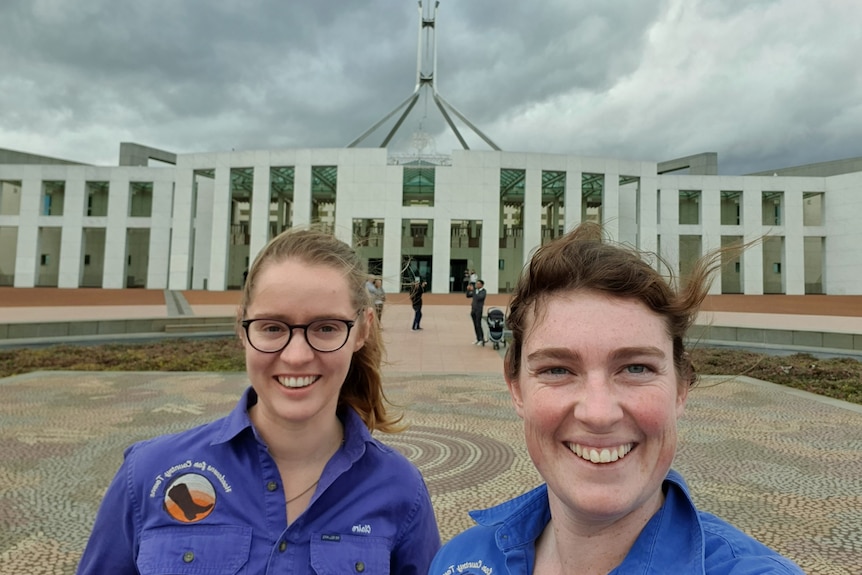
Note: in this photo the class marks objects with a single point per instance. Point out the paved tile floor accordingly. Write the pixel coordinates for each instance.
(781, 464)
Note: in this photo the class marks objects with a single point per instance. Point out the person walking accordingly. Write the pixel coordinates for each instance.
(416, 300)
(476, 308)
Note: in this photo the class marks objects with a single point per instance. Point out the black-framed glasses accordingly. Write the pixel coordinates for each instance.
(272, 335)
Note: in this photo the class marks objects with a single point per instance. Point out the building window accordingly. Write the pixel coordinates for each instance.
(52, 198)
(731, 211)
(689, 207)
(140, 199)
(97, 198)
(592, 197)
(812, 209)
(324, 191)
(771, 207)
(418, 185)
(281, 179)
(10, 198)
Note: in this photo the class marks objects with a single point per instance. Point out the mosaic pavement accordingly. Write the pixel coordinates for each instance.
(783, 467)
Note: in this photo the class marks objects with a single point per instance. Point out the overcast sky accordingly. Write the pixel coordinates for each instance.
(764, 83)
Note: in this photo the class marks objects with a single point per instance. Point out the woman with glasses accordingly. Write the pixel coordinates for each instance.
(291, 481)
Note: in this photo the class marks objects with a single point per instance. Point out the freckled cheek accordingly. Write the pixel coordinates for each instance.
(537, 441)
(656, 413)
(542, 421)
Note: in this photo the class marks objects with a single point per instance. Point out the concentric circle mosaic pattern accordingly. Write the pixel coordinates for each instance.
(783, 466)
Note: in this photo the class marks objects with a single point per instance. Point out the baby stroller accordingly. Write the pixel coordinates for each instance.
(496, 323)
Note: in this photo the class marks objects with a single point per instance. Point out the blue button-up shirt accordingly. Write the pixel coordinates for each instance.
(678, 539)
(209, 501)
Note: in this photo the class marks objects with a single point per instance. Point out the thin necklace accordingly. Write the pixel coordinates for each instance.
(306, 490)
(310, 487)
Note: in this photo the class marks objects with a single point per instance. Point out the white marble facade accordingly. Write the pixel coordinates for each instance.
(196, 224)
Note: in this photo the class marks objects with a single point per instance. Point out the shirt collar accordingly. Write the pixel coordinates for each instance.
(676, 521)
(356, 433)
(520, 521)
(237, 420)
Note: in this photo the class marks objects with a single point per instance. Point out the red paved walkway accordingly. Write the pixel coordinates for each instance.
(847, 306)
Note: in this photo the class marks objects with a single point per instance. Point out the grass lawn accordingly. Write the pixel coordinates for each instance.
(838, 378)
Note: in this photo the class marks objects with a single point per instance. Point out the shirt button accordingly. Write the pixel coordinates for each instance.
(282, 546)
(360, 566)
(188, 556)
(271, 486)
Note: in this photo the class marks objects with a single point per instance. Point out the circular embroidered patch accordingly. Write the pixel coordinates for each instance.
(190, 498)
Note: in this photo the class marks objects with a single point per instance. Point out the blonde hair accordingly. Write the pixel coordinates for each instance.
(363, 386)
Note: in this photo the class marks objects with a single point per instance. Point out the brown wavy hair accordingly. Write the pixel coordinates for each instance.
(363, 386)
(585, 260)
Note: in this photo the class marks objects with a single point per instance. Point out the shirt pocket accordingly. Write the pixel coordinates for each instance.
(336, 554)
(194, 549)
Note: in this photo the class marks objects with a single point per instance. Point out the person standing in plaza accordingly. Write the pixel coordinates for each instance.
(292, 480)
(416, 293)
(598, 372)
(378, 296)
(477, 307)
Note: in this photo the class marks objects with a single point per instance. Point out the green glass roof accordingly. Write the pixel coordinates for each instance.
(281, 180)
(324, 183)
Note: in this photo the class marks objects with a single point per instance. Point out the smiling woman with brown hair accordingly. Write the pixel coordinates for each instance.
(598, 372)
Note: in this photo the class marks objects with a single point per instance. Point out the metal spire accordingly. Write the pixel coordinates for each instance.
(426, 71)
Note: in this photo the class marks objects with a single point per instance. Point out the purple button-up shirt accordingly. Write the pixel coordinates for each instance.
(209, 501)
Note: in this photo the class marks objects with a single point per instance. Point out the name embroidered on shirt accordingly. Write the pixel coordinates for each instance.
(364, 529)
(463, 567)
(326, 537)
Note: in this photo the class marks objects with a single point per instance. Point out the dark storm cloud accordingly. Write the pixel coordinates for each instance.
(765, 84)
(529, 52)
(196, 75)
